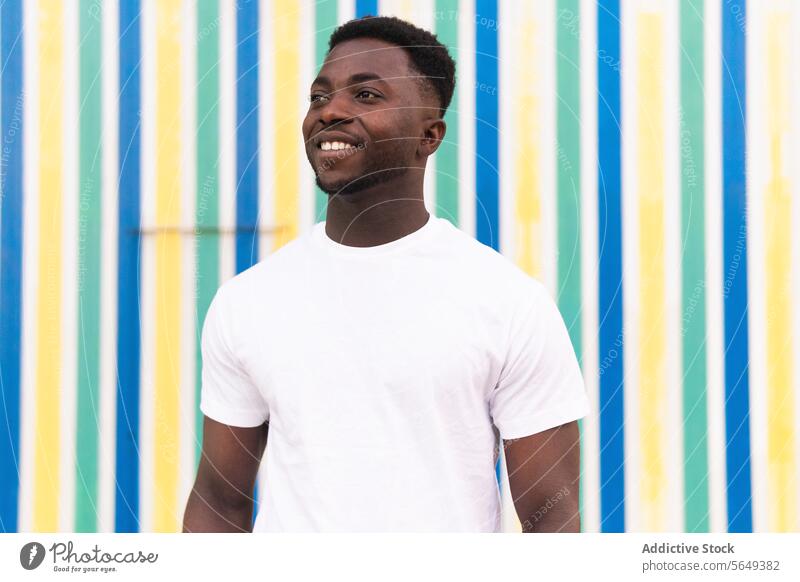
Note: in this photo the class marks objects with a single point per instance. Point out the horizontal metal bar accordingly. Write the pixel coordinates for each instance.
(201, 230)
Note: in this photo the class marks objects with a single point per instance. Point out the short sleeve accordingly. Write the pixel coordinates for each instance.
(227, 394)
(540, 384)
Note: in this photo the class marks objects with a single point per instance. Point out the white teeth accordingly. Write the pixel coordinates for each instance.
(334, 145)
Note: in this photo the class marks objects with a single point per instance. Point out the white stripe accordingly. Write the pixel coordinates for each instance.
(148, 274)
(425, 16)
(267, 85)
(347, 10)
(267, 120)
(188, 404)
(466, 116)
(589, 275)
(30, 270)
(672, 443)
(507, 94)
(758, 177)
(718, 518)
(227, 139)
(307, 200)
(630, 268)
(392, 8)
(508, 44)
(108, 293)
(546, 48)
(69, 269)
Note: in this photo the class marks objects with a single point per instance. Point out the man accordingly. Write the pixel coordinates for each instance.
(381, 357)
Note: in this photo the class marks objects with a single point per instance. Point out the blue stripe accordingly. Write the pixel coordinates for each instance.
(609, 190)
(734, 226)
(366, 7)
(246, 135)
(128, 320)
(255, 504)
(487, 183)
(11, 210)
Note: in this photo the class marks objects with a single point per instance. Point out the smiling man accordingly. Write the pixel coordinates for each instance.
(379, 361)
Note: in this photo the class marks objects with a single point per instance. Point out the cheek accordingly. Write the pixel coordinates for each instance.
(393, 135)
(306, 128)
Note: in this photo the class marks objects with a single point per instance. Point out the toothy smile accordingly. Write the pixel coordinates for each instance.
(335, 145)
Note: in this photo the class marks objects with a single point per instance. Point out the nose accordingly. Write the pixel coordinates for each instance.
(334, 110)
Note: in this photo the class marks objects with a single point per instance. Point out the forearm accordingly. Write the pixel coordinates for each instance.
(207, 513)
(558, 513)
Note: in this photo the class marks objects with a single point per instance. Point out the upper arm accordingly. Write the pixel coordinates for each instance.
(228, 394)
(235, 427)
(229, 462)
(544, 473)
(540, 384)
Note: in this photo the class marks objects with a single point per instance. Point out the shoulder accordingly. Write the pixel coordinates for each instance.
(252, 283)
(491, 271)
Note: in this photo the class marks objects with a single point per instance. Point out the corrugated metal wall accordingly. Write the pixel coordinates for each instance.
(642, 158)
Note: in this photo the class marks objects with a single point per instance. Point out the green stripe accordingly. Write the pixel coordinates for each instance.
(693, 282)
(326, 19)
(568, 162)
(447, 155)
(89, 237)
(568, 175)
(207, 210)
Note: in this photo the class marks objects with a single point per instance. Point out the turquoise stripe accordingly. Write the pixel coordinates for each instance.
(207, 202)
(568, 176)
(447, 182)
(326, 18)
(90, 221)
(692, 149)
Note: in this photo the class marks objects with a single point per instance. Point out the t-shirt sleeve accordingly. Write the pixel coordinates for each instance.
(227, 394)
(540, 384)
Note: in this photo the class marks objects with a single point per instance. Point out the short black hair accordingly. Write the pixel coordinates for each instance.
(429, 57)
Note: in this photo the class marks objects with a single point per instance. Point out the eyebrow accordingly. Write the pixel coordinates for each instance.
(352, 80)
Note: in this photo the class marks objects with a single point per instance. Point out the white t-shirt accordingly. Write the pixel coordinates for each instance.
(388, 374)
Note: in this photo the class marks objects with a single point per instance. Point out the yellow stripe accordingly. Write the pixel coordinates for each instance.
(652, 330)
(528, 212)
(782, 472)
(286, 31)
(168, 264)
(48, 326)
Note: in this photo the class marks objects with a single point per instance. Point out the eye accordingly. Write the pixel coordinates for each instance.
(366, 94)
(316, 97)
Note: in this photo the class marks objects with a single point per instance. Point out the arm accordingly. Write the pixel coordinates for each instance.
(544, 474)
(222, 497)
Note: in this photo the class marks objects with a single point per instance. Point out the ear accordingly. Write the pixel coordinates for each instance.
(433, 134)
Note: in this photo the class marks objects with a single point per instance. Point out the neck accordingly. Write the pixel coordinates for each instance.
(375, 216)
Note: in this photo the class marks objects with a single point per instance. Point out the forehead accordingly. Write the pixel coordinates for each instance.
(365, 54)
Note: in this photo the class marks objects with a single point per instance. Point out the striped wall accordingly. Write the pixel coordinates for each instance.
(641, 158)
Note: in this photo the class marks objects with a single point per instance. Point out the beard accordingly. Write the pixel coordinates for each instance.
(360, 183)
(380, 169)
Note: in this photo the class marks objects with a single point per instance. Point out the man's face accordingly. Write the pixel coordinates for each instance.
(366, 117)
